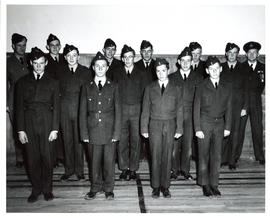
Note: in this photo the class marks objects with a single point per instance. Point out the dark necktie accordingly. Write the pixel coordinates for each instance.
(38, 77)
(216, 85)
(251, 66)
(55, 59)
(99, 85)
(185, 77)
(231, 68)
(128, 73)
(162, 89)
(147, 64)
(21, 60)
(72, 71)
(195, 67)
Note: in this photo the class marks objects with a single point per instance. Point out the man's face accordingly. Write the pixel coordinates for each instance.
(72, 58)
(162, 72)
(20, 47)
(185, 63)
(214, 71)
(39, 65)
(147, 53)
(196, 54)
(54, 47)
(252, 54)
(232, 55)
(100, 67)
(128, 59)
(109, 52)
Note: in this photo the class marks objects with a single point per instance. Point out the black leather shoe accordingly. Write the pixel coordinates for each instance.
(32, 198)
(124, 175)
(80, 177)
(207, 191)
(48, 196)
(262, 162)
(187, 176)
(166, 193)
(174, 175)
(64, 177)
(156, 193)
(215, 191)
(109, 195)
(90, 195)
(232, 166)
(19, 164)
(132, 175)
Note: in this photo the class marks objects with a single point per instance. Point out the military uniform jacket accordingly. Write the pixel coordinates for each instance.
(15, 70)
(114, 65)
(188, 86)
(239, 83)
(201, 69)
(162, 107)
(149, 72)
(255, 79)
(131, 88)
(70, 87)
(211, 104)
(37, 98)
(100, 113)
(54, 67)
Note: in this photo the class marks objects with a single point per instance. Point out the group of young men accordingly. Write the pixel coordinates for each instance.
(113, 109)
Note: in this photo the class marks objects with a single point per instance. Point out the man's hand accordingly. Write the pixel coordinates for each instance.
(226, 133)
(53, 135)
(145, 135)
(86, 140)
(243, 112)
(22, 137)
(200, 134)
(177, 135)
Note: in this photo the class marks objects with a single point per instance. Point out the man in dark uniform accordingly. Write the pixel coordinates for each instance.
(197, 64)
(55, 62)
(16, 68)
(55, 59)
(187, 79)
(71, 77)
(212, 122)
(255, 73)
(37, 116)
(147, 66)
(131, 86)
(162, 121)
(100, 127)
(232, 72)
(109, 50)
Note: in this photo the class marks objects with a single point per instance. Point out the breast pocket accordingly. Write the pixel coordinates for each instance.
(91, 103)
(171, 102)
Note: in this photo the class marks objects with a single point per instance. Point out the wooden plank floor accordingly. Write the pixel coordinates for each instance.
(243, 190)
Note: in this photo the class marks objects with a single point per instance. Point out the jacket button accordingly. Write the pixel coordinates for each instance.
(99, 93)
(99, 111)
(99, 102)
(99, 120)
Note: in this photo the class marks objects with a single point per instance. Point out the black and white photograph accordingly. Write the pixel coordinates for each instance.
(119, 107)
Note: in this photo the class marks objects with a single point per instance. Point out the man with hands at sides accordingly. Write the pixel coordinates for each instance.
(162, 121)
(212, 122)
(100, 127)
(37, 117)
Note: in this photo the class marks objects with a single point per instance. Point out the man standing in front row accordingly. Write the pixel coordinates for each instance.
(161, 121)
(37, 116)
(100, 127)
(212, 122)
(131, 86)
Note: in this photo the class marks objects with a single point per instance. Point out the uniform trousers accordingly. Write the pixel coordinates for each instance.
(129, 144)
(161, 138)
(181, 154)
(255, 115)
(39, 150)
(74, 157)
(209, 150)
(102, 166)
